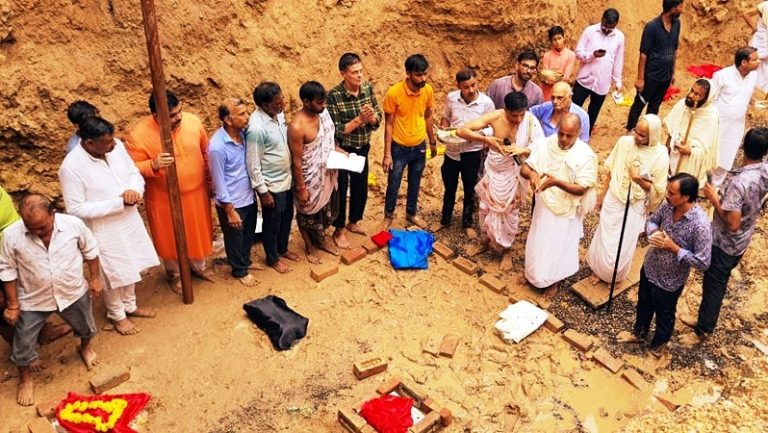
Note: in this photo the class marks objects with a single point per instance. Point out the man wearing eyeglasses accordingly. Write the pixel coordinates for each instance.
(527, 63)
(550, 113)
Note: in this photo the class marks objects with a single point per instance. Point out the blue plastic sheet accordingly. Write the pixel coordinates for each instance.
(410, 249)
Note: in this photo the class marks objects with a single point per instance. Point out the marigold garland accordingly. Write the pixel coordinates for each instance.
(75, 412)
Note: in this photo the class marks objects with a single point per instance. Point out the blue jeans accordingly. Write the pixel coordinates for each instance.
(415, 158)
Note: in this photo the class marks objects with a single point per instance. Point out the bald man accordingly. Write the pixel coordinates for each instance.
(550, 113)
(42, 266)
(234, 198)
(562, 170)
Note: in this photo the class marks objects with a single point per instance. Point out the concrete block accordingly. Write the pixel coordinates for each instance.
(370, 246)
(553, 323)
(352, 255)
(432, 344)
(40, 425)
(442, 250)
(465, 265)
(603, 357)
(578, 340)
(449, 345)
(109, 379)
(493, 283)
(369, 367)
(635, 379)
(323, 271)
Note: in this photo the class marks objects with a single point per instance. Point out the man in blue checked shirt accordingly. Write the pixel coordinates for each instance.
(235, 204)
(681, 238)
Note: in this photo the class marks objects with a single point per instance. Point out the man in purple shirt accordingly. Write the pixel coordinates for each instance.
(681, 238)
(601, 52)
(732, 227)
(235, 204)
(527, 63)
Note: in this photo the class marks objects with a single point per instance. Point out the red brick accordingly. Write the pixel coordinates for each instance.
(432, 344)
(40, 425)
(553, 323)
(430, 424)
(466, 266)
(47, 409)
(351, 256)
(449, 345)
(369, 367)
(108, 380)
(388, 386)
(370, 246)
(442, 250)
(323, 271)
(351, 421)
(578, 340)
(607, 360)
(446, 417)
(493, 283)
(635, 379)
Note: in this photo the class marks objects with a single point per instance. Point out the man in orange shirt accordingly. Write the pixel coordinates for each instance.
(190, 143)
(407, 125)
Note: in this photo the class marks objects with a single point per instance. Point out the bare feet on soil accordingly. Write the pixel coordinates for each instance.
(143, 312)
(475, 248)
(688, 320)
(387, 223)
(25, 395)
(204, 274)
(281, 267)
(329, 247)
(416, 220)
(37, 366)
(550, 291)
(291, 256)
(89, 357)
(628, 337)
(340, 238)
(311, 254)
(175, 282)
(357, 229)
(506, 261)
(437, 227)
(594, 280)
(125, 327)
(256, 267)
(249, 281)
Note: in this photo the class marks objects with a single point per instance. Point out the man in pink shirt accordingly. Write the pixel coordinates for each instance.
(601, 53)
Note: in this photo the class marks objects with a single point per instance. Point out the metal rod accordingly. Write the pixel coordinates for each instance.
(618, 252)
(163, 117)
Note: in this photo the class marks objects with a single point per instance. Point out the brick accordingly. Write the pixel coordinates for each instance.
(388, 386)
(430, 405)
(47, 409)
(493, 283)
(430, 424)
(446, 417)
(442, 250)
(449, 345)
(578, 340)
(323, 271)
(352, 255)
(108, 380)
(607, 360)
(432, 344)
(466, 266)
(351, 421)
(40, 425)
(370, 246)
(553, 323)
(670, 401)
(635, 379)
(369, 367)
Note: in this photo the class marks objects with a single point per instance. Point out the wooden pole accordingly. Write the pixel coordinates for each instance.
(171, 176)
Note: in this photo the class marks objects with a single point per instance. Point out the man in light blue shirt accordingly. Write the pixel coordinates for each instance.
(269, 167)
(550, 113)
(235, 204)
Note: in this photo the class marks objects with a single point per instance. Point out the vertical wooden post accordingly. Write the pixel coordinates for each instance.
(158, 88)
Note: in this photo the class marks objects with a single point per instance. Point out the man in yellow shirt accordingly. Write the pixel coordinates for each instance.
(407, 126)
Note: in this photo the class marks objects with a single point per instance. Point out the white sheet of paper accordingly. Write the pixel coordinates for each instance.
(339, 161)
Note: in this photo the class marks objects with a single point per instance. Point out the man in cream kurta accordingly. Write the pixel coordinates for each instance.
(640, 162)
(102, 186)
(563, 172)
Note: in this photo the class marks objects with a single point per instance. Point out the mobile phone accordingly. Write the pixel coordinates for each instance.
(601, 51)
(508, 142)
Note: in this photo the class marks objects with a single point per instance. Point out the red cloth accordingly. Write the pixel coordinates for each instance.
(136, 403)
(671, 92)
(382, 238)
(703, 71)
(388, 414)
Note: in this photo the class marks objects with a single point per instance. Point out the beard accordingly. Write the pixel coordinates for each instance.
(691, 104)
(420, 85)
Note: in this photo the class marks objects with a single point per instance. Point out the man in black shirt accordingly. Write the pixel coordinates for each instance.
(656, 67)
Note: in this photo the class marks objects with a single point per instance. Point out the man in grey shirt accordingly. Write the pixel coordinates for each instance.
(269, 166)
(732, 227)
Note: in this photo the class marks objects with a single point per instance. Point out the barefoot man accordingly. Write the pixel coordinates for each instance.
(499, 191)
(42, 266)
(311, 140)
(102, 186)
(563, 172)
(269, 165)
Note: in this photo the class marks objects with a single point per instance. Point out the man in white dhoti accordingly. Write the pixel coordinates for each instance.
(101, 185)
(640, 162)
(311, 141)
(500, 191)
(733, 88)
(694, 133)
(563, 172)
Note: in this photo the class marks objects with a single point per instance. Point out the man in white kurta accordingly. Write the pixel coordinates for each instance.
(101, 184)
(733, 88)
(638, 162)
(563, 172)
(500, 189)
